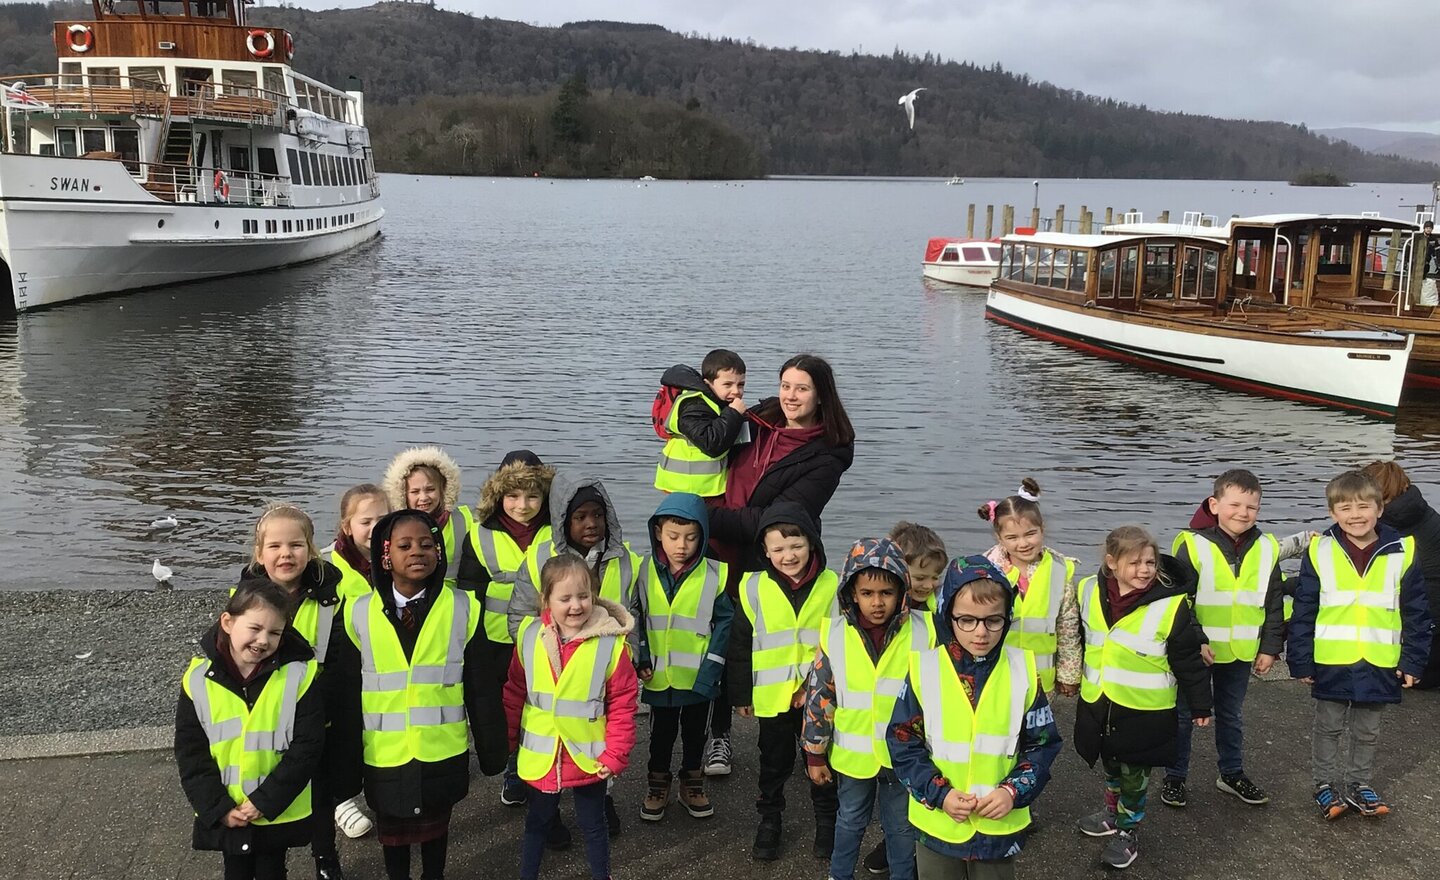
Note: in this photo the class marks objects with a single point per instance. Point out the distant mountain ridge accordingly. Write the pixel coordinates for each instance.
(805, 112)
(1419, 145)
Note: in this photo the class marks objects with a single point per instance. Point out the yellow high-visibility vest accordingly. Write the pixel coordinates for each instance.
(502, 558)
(783, 642)
(1036, 612)
(565, 708)
(456, 531)
(865, 694)
(679, 631)
(248, 742)
(352, 584)
(1359, 615)
(1230, 607)
(1128, 662)
(619, 577)
(683, 467)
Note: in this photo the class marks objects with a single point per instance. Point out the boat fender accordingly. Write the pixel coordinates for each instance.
(81, 38)
(260, 43)
(289, 46)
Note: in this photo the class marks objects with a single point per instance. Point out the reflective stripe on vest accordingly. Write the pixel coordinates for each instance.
(783, 643)
(1359, 615)
(457, 529)
(1036, 612)
(1128, 662)
(1230, 607)
(247, 743)
(315, 622)
(565, 708)
(413, 709)
(617, 580)
(353, 584)
(683, 467)
(865, 694)
(679, 631)
(502, 558)
(922, 629)
(974, 747)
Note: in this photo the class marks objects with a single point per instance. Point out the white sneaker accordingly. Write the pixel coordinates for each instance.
(351, 820)
(717, 756)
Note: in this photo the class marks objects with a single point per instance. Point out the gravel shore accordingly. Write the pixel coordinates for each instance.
(72, 660)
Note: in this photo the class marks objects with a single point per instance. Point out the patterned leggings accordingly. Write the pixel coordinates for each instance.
(1125, 789)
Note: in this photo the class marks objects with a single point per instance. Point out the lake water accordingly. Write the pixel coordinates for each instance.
(497, 314)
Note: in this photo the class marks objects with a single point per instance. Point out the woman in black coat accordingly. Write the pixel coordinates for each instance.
(1407, 512)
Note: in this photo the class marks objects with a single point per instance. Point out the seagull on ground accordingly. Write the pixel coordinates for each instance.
(162, 574)
(909, 102)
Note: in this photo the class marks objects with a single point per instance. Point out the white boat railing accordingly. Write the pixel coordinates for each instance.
(183, 183)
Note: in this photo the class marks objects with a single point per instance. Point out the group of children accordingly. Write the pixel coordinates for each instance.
(915, 684)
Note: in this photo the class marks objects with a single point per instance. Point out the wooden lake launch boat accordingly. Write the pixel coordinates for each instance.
(175, 143)
(1162, 301)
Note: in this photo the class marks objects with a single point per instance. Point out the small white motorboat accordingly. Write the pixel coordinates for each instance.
(972, 261)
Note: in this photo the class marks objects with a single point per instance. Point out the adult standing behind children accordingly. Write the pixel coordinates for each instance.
(1407, 512)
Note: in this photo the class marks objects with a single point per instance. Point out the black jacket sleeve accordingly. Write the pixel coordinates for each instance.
(484, 707)
(1272, 631)
(472, 574)
(738, 659)
(297, 766)
(712, 434)
(199, 776)
(344, 744)
(1191, 676)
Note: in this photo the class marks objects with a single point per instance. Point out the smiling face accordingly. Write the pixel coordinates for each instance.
(522, 505)
(925, 579)
(1357, 518)
(254, 635)
(587, 525)
(364, 514)
(1236, 510)
(789, 555)
(424, 490)
(284, 551)
(876, 596)
(799, 401)
(570, 603)
(1022, 538)
(680, 542)
(1135, 570)
(413, 555)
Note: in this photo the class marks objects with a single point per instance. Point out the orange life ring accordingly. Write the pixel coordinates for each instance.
(221, 185)
(289, 46)
(260, 51)
(81, 38)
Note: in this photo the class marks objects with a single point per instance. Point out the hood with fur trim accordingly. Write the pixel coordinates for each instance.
(563, 489)
(403, 464)
(509, 478)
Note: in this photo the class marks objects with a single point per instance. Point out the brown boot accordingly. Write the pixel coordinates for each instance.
(692, 794)
(657, 797)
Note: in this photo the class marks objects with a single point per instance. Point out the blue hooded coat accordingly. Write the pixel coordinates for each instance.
(1360, 682)
(1040, 739)
(707, 682)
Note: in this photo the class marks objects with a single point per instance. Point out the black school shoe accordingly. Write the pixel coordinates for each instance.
(1172, 792)
(877, 861)
(767, 840)
(328, 868)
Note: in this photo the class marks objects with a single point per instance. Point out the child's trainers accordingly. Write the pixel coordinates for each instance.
(1172, 792)
(1366, 802)
(717, 756)
(1243, 788)
(1331, 805)
(1122, 850)
(1101, 824)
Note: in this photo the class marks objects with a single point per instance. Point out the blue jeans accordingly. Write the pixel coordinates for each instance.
(1228, 682)
(858, 798)
(542, 811)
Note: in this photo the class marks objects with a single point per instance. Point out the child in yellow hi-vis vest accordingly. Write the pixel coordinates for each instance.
(971, 709)
(570, 708)
(249, 729)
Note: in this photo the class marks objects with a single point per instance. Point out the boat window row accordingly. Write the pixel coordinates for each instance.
(971, 254)
(1063, 268)
(309, 224)
(73, 142)
(1150, 272)
(193, 79)
(309, 168)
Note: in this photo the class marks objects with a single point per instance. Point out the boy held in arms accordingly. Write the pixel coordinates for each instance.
(864, 655)
(1239, 602)
(705, 420)
(972, 736)
(1359, 634)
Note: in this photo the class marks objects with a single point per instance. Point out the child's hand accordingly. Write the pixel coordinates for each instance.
(1306, 679)
(799, 699)
(1406, 680)
(1067, 690)
(1207, 654)
(249, 811)
(1201, 722)
(746, 711)
(996, 805)
(234, 819)
(738, 403)
(646, 674)
(604, 772)
(820, 774)
(958, 804)
(1263, 662)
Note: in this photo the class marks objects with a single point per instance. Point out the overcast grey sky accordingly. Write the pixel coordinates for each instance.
(1320, 62)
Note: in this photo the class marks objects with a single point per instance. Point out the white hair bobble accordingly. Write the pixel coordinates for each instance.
(1026, 495)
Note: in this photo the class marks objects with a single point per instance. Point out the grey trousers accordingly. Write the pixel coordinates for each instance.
(930, 865)
(1332, 720)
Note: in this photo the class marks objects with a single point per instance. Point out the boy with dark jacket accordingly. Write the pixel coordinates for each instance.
(1360, 633)
(706, 419)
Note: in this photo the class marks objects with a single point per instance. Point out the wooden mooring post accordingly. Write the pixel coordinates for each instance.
(970, 221)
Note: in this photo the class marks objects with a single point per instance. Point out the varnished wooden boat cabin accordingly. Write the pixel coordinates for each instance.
(1164, 300)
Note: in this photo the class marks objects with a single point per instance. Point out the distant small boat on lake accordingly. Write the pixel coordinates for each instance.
(1167, 300)
(970, 261)
(955, 181)
(176, 143)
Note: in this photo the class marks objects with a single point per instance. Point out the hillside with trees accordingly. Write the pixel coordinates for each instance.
(436, 81)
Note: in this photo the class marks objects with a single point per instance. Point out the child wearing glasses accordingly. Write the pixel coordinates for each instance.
(1141, 648)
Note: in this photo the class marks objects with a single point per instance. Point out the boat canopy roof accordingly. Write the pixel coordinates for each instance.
(1092, 241)
(1288, 219)
(1185, 230)
(935, 246)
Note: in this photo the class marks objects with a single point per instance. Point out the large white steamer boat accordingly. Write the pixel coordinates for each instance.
(175, 143)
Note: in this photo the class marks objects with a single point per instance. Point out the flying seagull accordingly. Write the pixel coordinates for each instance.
(909, 102)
